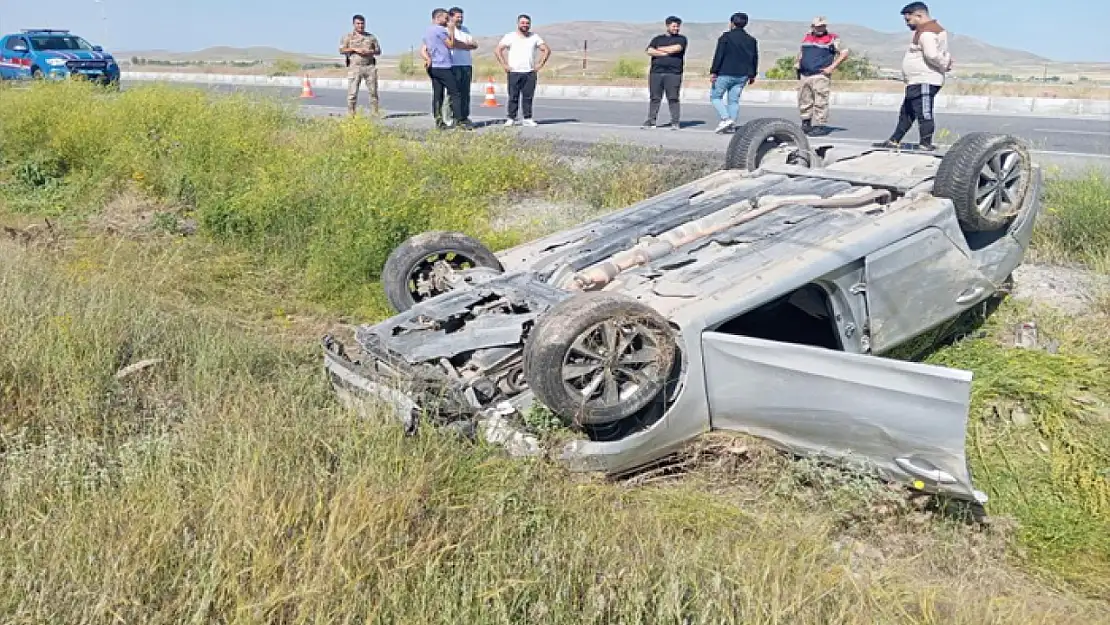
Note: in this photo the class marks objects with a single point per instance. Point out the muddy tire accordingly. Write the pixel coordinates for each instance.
(987, 177)
(752, 142)
(599, 358)
(409, 275)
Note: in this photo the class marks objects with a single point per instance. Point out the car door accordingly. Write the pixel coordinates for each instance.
(906, 419)
(15, 62)
(918, 283)
(6, 59)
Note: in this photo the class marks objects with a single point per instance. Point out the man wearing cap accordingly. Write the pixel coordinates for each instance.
(820, 55)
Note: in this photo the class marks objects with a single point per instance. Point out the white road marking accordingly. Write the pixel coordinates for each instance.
(1071, 132)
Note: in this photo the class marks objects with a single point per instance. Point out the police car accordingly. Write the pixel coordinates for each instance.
(43, 53)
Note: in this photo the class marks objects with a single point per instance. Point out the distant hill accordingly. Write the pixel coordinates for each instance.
(776, 39)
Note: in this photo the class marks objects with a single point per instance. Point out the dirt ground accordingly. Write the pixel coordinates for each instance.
(1071, 290)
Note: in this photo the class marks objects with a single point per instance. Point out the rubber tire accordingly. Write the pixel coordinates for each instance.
(36, 74)
(957, 177)
(555, 332)
(395, 273)
(743, 147)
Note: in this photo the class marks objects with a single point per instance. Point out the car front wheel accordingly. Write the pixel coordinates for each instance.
(599, 358)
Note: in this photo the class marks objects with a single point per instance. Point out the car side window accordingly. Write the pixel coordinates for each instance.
(13, 42)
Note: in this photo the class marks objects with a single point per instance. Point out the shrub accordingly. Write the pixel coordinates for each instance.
(1076, 223)
(628, 68)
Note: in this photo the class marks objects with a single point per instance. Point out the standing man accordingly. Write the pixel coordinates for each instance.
(361, 48)
(668, 53)
(819, 57)
(438, 39)
(735, 65)
(517, 55)
(462, 62)
(924, 65)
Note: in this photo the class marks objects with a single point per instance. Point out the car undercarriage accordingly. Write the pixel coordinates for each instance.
(638, 329)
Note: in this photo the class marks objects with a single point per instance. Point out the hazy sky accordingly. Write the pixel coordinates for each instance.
(1063, 30)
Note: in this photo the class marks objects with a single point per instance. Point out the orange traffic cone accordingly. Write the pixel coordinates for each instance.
(306, 90)
(491, 100)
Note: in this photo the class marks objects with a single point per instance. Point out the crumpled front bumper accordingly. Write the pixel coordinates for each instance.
(363, 387)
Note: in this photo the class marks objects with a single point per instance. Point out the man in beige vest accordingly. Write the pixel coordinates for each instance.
(361, 49)
(926, 62)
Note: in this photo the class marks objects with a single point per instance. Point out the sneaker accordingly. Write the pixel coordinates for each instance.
(893, 145)
(926, 147)
(806, 126)
(724, 125)
(648, 125)
(529, 122)
(510, 122)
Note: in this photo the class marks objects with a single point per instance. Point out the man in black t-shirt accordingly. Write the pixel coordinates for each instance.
(667, 52)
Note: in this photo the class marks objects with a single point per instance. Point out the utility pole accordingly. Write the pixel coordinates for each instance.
(585, 48)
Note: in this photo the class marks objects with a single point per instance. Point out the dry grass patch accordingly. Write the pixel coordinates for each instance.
(225, 482)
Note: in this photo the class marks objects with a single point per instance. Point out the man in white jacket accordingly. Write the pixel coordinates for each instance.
(923, 68)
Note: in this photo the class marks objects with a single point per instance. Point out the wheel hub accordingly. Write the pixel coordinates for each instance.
(1000, 182)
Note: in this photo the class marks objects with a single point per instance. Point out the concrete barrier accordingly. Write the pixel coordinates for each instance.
(1047, 107)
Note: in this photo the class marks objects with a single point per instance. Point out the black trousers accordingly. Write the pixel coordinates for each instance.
(659, 84)
(464, 75)
(917, 106)
(522, 88)
(443, 83)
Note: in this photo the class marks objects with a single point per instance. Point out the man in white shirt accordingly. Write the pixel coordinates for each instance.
(517, 55)
(462, 64)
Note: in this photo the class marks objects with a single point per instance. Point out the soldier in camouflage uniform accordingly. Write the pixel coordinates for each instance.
(361, 48)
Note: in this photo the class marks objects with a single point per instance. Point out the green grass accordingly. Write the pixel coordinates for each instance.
(327, 200)
(225, 484)
(1076, 227)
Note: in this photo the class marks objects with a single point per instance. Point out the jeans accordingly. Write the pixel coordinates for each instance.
(658, 84)
(733, 86)
(443, 83)
(522, 87)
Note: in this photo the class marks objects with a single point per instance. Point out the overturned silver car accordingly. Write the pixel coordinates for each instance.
(765, 298)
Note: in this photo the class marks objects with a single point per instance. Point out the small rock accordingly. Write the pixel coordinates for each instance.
(1020, 418)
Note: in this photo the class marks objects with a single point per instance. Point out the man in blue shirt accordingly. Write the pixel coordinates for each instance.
(438, 40)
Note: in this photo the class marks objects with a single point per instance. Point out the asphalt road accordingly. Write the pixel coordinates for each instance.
(586, 119)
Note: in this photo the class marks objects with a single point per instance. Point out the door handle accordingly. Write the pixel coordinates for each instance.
(969, 295)
(929, 472)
